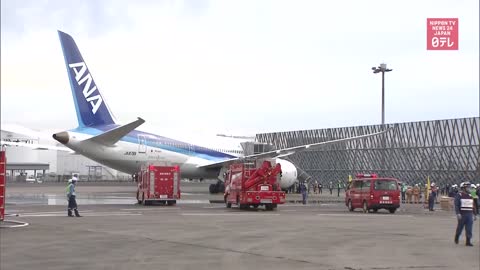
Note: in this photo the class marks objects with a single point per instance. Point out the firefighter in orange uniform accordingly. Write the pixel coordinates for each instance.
(416, 194)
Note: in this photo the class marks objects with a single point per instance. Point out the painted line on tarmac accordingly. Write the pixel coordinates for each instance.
(362, 215)
(149, 209)
(13, 211)
(308, 205)
(88, 214)
(193, 202)
(56, 212)
(19, 224)
(229, 214)
(111, 214)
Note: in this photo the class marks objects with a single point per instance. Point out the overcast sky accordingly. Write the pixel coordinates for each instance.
(239, 66)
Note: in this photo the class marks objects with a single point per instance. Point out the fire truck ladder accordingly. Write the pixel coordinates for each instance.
(254, 181)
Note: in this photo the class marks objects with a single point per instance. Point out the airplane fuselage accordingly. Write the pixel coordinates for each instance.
(138, 148)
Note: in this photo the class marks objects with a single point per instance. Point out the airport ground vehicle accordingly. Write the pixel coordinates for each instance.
(370, 192)
(3, 182)
(32, 179)
(158, 184)
(248, 185)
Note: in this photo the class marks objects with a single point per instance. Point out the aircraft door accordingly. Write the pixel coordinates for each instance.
(142, 144)
(190, 149)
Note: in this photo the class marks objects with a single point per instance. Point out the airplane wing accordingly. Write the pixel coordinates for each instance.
(30, 133)
(36, 146)
(287, 151)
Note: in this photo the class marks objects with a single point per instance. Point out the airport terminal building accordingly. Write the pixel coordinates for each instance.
(446, 150)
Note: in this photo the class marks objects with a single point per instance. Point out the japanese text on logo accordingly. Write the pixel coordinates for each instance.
(442, 34)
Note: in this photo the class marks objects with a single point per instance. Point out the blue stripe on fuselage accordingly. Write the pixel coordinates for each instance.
(160, 142)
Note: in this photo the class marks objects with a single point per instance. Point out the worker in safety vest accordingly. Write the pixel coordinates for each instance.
(466, 213)
(416, 194)
(72, 202)
(474, 194)
(409, 194)
(403, 190)
(478, 201)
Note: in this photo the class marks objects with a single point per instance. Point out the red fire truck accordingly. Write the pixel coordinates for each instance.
(246, 185)
(3, 183)
(158, 184)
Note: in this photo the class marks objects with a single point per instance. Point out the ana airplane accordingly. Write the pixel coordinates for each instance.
(124, 148)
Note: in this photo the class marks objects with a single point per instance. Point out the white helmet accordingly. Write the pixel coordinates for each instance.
(473, 186)
(465, 184)
(433, 184)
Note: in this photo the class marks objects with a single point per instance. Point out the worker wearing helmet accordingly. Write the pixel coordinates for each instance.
(453, 191)
(432, 197)
(72, 202)
(303, 190)
(474, 194)
(416, 194)
(466, 213)
(478, 201)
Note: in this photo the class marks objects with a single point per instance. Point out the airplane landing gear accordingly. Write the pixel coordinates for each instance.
(217, 188)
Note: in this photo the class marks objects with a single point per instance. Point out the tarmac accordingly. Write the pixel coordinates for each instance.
(116, 233)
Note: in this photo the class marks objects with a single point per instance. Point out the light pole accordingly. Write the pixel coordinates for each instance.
(382, 68)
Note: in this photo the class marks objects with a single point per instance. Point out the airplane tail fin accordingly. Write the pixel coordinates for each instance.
(91, 107)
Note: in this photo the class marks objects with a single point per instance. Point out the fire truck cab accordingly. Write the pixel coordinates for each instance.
(248, 185)
(158, 184)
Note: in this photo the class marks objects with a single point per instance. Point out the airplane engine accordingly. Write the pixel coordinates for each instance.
(289, 173)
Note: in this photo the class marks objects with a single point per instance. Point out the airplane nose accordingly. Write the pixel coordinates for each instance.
(61, 137)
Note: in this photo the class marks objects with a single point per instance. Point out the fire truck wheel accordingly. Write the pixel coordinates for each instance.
(171, 203)
(255, 206)
(268, 207)
(350, 207)
(274, 206)
(229, 205)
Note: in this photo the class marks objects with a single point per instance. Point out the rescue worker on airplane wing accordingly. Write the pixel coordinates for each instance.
(465, 210)
(71, 195)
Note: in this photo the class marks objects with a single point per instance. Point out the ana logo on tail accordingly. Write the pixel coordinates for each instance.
(80, 69)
